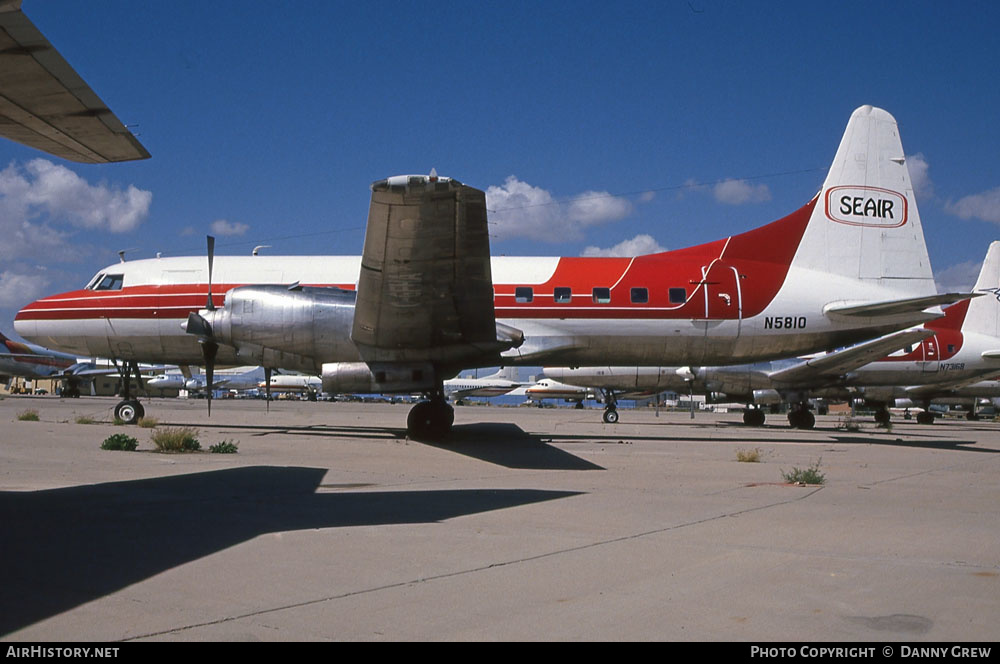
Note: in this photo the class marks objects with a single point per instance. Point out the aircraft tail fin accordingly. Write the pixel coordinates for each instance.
(508, 373)
(983, 316)
(865, 225)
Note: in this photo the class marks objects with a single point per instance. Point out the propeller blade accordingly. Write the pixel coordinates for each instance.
(211, 259)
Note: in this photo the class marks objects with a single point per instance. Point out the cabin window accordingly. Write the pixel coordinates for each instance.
(640, 295)
(524, 294)
(110, 282)
(602, 295)
(562, 295)
(678, 295)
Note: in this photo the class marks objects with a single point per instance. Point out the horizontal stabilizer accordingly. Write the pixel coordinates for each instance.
(887, 308)
(842, 361)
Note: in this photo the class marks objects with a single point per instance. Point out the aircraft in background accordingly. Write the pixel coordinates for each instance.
(495, 385)
(32, 361)
(240, 378)
(920, 364)
(548, 388)
(311, 386)
(425, 300)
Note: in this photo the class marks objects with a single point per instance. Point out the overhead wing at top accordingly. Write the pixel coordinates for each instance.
(46, 105)
(848, 359)
(425, 291)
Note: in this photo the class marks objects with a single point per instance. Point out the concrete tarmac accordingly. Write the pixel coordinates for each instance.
(529, 524)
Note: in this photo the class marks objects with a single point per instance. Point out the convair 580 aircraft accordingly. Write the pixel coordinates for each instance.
(425, 300)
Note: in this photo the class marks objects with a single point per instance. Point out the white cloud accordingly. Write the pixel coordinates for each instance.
(637, 246)
(518, 209)
(920, 175)
(984, 206)
(224, 227)
(19, 289)
(958, 278)
(52, 189)
(739, 192)
(42, 205)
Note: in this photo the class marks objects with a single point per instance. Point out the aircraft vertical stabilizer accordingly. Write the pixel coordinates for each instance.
(984, 312)
(865, 225)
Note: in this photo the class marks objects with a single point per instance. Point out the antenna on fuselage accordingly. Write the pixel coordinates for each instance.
(121, 253)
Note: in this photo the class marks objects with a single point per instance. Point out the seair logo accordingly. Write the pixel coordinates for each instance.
(866, 206)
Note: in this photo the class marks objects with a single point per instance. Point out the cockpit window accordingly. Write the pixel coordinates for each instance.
(96, 280)
(110, 282)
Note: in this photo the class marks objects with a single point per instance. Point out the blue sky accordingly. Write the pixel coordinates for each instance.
(653, 124)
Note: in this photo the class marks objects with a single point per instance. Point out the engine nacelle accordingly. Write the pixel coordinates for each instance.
(767, 397)
(359, 377)
(272, 324)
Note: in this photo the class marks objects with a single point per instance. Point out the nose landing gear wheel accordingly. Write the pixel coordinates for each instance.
(129, 411)
(611, 416)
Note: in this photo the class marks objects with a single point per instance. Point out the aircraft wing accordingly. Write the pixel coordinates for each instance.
(425, 292)
(46, 105)
(842, 361)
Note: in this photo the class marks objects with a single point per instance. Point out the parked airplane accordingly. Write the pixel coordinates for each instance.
(960, 348)
(966, 396)
(547, 388)
(495, 385)
(31, 361)
(309, 385)
(241, 378)
(425, 300)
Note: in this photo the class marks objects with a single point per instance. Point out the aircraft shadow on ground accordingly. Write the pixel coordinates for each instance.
(65, 547)
(787, 436)
(510, 446)
(499, 443)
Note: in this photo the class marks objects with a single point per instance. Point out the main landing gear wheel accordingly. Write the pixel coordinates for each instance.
(129, 411)
(882, 416)
(753, 417)
(611, 416)
(430, 420)
(801, 419)
(925, 418)
(972, 416)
